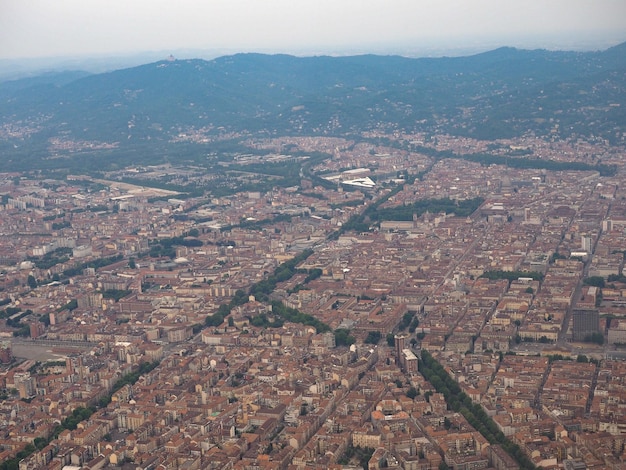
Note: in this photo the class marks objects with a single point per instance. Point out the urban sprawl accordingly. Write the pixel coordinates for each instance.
(366, 321)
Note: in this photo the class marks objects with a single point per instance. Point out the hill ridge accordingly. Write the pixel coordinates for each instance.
(496, 94)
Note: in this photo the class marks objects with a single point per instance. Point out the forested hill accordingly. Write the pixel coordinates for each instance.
(503, 93)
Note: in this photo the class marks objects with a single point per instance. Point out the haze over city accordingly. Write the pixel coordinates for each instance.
(73, 28)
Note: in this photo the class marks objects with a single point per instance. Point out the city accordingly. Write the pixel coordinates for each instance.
(393, 309)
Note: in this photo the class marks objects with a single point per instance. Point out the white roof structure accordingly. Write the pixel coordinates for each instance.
(361, 182)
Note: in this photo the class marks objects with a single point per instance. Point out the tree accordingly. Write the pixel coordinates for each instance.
(45, 319)
(596, 337)
(343, 337)
(596, 281)
(373, 337)
(32, 282)
(40, 443)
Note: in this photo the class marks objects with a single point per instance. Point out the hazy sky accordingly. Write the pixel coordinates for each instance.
(62, 28)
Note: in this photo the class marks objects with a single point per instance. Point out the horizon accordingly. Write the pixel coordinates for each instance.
(17, 68)
(114, 30)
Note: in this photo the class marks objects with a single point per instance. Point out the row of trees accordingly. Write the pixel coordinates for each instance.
(58, 256)
(9, 311)
(262, 290)
(62, 255)
(312, 274)
(512, 275)
(281, 313)
(97, 263)
(539, 164)
(460, 402)
(165, 247)
(115, 294)
(410, 321)
(296, 316)
(257, 224)
(513, 162)
(405, 212)
(78, 414)
(223, 310)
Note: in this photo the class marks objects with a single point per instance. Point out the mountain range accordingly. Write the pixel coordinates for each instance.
(55, 120)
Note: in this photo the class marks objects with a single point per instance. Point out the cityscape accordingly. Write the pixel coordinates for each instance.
(290, 275)
(239, 359)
